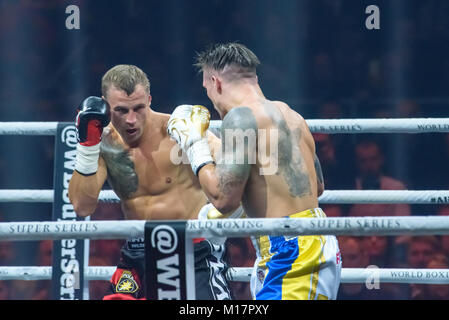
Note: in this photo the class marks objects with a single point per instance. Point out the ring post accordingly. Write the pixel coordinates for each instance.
(70, 256)
(169, 262)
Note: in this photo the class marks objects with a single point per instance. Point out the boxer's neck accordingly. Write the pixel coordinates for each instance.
(243, 94)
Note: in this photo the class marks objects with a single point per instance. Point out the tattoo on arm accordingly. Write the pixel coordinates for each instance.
(121, 173)
(238, 136)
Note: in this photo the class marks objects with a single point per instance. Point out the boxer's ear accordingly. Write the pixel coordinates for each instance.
(217, 83)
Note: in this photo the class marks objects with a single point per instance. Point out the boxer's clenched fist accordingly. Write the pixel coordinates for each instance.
(187, 126)
(93, 115)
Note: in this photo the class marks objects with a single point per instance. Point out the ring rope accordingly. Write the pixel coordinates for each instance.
(123, 229)
(371, 274)
(329, 196)
(375, 125)
(28, 128)
(384, 196)
(348, 275)
(354, 226)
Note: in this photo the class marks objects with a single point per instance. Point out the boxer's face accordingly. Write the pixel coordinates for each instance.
(129, 113)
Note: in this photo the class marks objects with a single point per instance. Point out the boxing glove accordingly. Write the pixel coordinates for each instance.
(93, 115)
(187, 126)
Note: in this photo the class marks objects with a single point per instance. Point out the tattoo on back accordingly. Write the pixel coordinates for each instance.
(121, 174)
(291, 164)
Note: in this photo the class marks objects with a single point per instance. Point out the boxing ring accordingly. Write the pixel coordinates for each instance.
(355, 226)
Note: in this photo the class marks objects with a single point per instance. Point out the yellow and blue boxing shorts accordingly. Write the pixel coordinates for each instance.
(296, 268)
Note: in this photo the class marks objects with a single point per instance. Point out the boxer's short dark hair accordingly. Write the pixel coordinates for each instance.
(219, 56)
(124, 77)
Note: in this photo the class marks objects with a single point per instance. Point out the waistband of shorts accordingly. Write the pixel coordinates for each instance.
(139, 243)
(309, 213)
(135, 243)
(262, 241)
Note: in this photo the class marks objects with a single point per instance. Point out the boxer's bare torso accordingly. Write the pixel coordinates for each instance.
(136, 160)
(148, 183)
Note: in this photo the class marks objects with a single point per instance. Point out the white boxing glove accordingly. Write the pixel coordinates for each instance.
(187, 126)
(208, 211)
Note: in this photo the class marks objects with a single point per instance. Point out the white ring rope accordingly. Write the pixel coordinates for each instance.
(26, 195)
(45, 195)
(400, 125)
(28, 128)
(384, 196)
(348, 275)
(397, 125)
(329, 196)
(244, 227)
(123, 229)
(45, 273)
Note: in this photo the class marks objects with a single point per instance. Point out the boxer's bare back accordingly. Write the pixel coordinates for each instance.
(297, 182)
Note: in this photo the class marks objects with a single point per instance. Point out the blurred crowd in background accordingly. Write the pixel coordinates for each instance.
(316, 55)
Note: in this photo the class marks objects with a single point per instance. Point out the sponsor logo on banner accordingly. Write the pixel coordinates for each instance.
(68, 254)
(165, 272)
(164, 238)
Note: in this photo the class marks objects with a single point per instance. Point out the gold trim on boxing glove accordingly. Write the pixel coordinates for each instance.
(215, 214)
(200, 117)
(180, 133)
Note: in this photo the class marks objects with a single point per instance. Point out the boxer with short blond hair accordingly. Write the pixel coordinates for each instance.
(122, 140)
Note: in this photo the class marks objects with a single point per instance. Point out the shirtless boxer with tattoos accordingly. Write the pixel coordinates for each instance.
(122, 140)
(286, 186)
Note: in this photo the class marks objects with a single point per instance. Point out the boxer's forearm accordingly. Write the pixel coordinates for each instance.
(224, 182)
(84, 191)
(223, 193)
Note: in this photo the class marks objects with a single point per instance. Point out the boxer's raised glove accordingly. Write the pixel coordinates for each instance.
(187, 126)
(93, 115)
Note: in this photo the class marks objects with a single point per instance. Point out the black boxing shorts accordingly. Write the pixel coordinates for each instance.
(127, 282)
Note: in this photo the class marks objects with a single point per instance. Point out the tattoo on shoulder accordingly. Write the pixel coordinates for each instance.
(238, 136)
(121, 173)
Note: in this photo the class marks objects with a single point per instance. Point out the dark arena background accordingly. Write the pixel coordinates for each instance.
(328, 59)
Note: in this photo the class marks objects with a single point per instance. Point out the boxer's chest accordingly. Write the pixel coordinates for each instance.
(136, 172)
